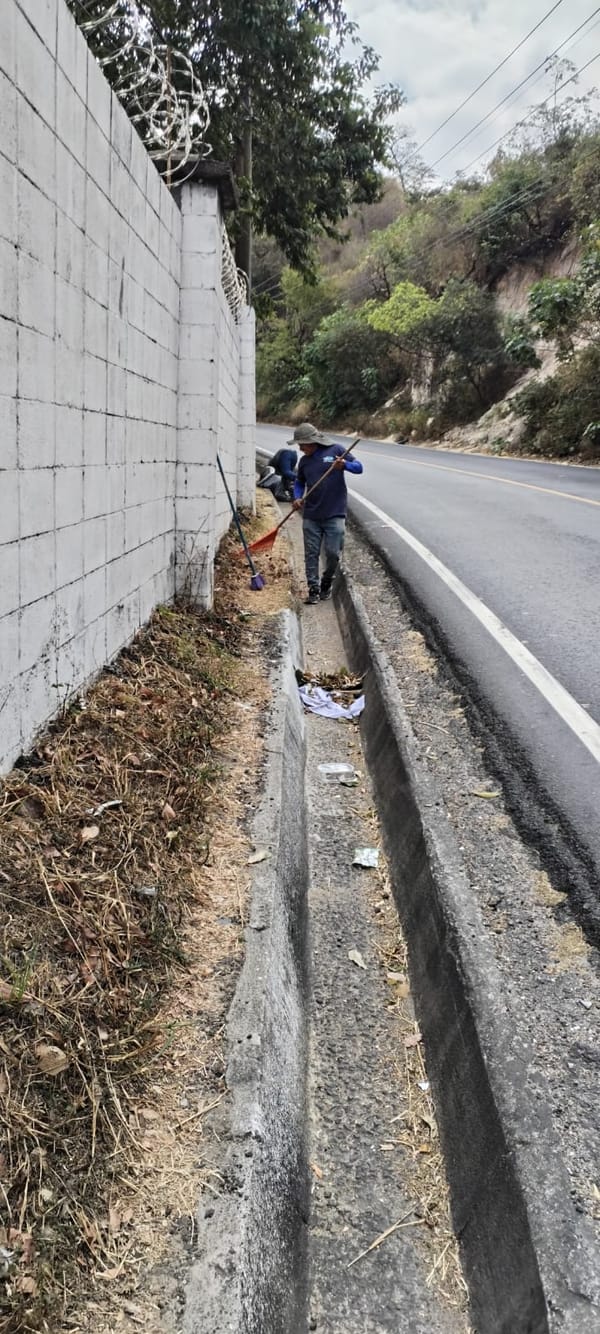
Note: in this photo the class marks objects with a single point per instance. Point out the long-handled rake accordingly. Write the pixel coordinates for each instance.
(265, 543)
(256, 580)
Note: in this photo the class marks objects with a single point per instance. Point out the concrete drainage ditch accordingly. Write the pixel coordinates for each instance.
(528, 1258)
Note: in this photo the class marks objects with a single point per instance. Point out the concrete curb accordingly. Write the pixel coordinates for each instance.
(251, 1275)
(530, 1259)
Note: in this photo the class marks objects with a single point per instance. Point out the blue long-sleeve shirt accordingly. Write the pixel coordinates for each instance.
(330, 500)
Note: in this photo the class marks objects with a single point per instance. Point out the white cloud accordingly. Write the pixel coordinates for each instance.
(438, 51)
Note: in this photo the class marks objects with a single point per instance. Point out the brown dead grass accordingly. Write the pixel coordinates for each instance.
(122, 886)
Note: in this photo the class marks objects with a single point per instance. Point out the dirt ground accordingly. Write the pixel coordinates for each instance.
(123, 878)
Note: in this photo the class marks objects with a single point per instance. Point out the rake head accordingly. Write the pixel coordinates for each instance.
(264, 543)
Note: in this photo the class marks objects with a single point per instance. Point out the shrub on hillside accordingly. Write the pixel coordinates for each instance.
(349, 365)
(562, 413)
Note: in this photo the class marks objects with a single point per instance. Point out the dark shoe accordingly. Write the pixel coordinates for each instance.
(325, 592)
(313, 598)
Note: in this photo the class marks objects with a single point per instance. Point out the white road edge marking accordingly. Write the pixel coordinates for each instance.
(581, 724)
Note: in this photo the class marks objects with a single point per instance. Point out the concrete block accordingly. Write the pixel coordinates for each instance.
(37, 365)
(69, 436)
(94, 596)
(139, 164)
(115, 438)
(99, 96)
(69, 554)
(115, 535)
(36, 434)
(8, 280)
(95, 333)
(98, 156)
(36, 220)
(94, 544)
(70, 118)
(39, 697)
(37, 570)
(36, 146)
(201, 235)
(97, 215)
(72, 51)
(9, 505)
(200, 271)
(69, 615)
(8, 432)
(9, 577)
(7, 42)
(70, 250)
(10, 701)
(133, 527)
(36, 501)
(69, 376)
(96, 272)
(96, 654)
(95, 429)
(68, 496)
(8, 358)
(117, 332)
(70, 186)
(69, 315)
(116, 390)
(37, 637)
(121, 133)
(94, 397)
(198, 199)
(36, 67)
(95, 492)
(43, 17)
(116, 488)
(8, 200)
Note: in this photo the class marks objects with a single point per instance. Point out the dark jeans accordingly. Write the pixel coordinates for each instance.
(288, 478)
(330, 533)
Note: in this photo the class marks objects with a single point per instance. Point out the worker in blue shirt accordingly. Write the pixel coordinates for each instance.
(284, 462)
(324, 517)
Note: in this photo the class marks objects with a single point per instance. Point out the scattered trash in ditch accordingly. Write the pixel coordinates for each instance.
(336, 773)
(340, 682)
(145, 891)
(488, 796)
(424, 1086)
(366, 857)
(396, 978)
(320, 701)
(413, 1039)
(260, 856)
(356, 957)
(587, 1004)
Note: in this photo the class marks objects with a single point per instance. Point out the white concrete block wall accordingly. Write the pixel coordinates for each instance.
(110, 408)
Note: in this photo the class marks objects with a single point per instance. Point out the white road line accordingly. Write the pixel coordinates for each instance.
(581, 724)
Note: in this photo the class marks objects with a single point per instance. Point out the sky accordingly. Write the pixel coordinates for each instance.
(438, 51)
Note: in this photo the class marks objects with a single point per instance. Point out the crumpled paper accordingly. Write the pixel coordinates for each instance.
(319, 701)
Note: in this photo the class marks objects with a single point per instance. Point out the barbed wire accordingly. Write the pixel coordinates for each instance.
(233, 280)
(160, 91)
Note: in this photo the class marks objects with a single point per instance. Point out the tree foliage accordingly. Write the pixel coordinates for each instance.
(319, 141)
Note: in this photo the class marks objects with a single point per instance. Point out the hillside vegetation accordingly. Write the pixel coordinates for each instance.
(402, 331)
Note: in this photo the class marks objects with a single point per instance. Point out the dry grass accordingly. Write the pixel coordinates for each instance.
(109, 851)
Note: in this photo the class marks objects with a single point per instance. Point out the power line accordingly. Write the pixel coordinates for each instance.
(483, 83)
(542, 65)
(525, 119)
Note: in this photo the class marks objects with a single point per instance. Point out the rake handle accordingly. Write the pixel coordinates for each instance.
(318, 483)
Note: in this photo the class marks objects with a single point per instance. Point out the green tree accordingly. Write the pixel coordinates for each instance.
(350, 365)
(291, 73)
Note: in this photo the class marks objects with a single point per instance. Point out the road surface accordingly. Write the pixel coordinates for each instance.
(502, 557)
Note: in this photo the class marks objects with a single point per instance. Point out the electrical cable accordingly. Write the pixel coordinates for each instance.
(488, 78)
(542, 66)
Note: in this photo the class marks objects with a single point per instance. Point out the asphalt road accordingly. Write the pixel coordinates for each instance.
(502, 558)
